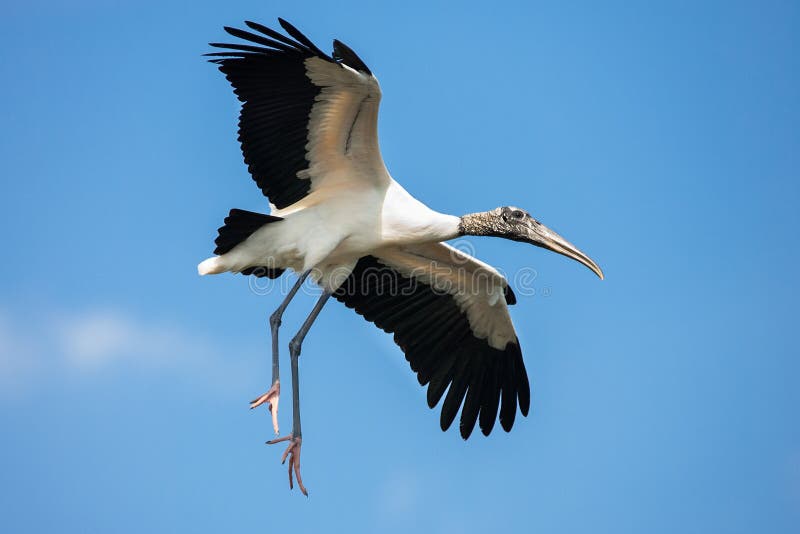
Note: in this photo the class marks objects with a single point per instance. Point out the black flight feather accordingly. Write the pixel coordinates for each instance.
(297, 34)
(432, 330)
(343, 53)
(269, 32)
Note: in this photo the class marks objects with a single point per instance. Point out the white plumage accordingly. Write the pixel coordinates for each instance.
(354, 206)
(308, 130)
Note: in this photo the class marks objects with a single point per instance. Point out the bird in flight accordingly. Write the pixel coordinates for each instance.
(308, 129)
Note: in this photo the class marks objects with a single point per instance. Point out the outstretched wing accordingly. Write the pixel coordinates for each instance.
(308, 120)
(448, 313)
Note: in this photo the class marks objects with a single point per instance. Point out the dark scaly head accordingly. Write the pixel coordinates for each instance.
(518, 225)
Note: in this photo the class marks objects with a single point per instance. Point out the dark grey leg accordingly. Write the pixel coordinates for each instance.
(273, 394)
(294, 352)
(275, 323)
(295, 438)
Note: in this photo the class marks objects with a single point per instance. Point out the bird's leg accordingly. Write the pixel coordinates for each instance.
(295, 439)
(273, 394)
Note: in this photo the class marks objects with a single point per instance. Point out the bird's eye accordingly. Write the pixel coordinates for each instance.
(517, 214)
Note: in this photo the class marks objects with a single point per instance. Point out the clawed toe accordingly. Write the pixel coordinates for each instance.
(293, 453)
(271, 398)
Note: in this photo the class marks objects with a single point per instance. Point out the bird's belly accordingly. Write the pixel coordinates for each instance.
(354, 246)
(354, 217)
(344, 225)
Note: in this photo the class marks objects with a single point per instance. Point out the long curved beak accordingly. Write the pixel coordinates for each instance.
(542, 236)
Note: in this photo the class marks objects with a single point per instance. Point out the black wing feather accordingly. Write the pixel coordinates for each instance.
(438, 343)
(345, 54)
(268, 75)
(269, 32)
(297, 34)
(271, 43)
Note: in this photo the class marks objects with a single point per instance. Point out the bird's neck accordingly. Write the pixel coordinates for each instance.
(413, 222)
(480, 223)
(407, 220)
(441, 226)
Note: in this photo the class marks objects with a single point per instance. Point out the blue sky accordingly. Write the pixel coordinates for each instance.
(662, 140)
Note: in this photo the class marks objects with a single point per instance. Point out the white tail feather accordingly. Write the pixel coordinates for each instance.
(210, 266)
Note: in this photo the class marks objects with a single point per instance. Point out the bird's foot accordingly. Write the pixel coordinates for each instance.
(271, 397)
(293, 453)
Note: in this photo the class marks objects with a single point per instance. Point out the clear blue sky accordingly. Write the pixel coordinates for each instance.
(663, 140)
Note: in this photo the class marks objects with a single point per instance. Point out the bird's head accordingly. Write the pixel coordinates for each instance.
(518, 225)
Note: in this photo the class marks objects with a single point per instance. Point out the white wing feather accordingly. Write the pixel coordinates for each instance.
(477, 287)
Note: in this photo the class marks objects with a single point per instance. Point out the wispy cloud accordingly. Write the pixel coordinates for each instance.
(93, 341)
(98, 338)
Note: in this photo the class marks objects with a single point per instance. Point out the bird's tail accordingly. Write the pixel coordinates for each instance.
(239, 225)
(211, 266)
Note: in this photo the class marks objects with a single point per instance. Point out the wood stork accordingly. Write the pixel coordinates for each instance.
(308, 132)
